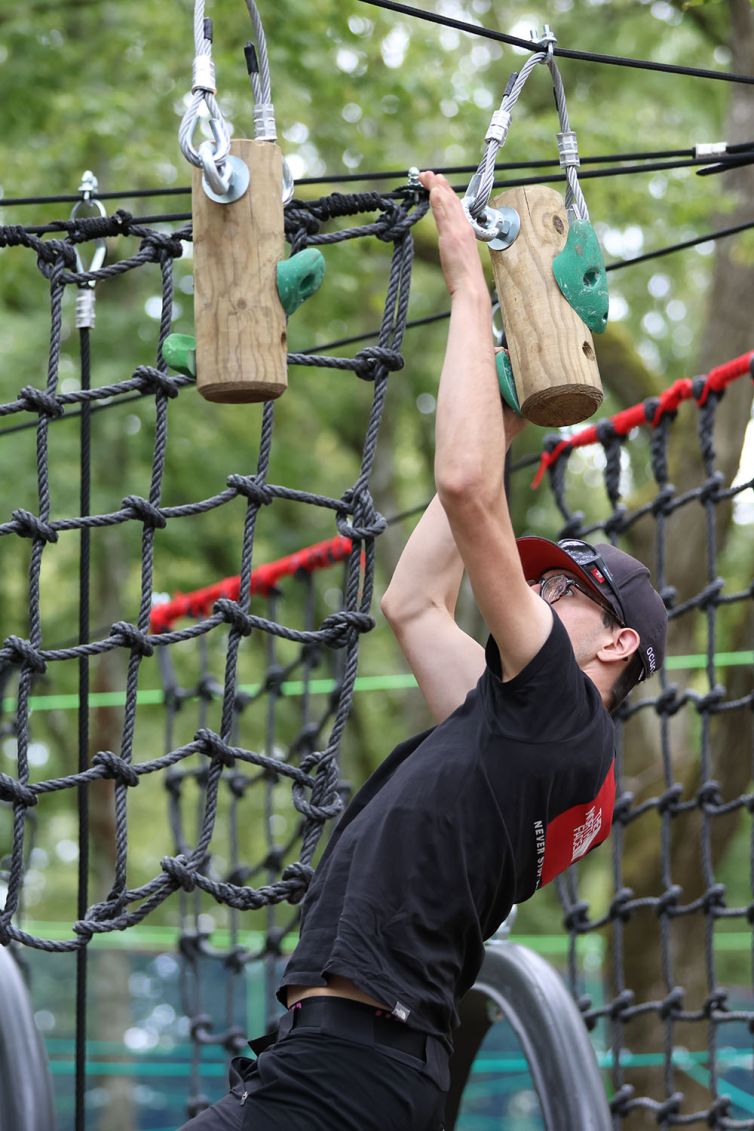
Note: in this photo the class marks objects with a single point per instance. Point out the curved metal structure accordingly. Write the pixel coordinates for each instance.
(533, 998)
(25, 1085)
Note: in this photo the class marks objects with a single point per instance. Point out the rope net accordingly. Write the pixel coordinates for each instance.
(233, 748)
(678, 1050)
(226, 660)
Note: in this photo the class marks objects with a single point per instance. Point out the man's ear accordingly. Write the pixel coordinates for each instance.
(620, 647)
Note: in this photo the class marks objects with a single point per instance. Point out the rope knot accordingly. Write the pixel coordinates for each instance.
(369, 360)
(668, 901)
(672, 1003)
(710, 489)
(201, 1028)
(116, 768)
(214, 747)
(298, 876)
(161, 244)
(16, 792)
(577, 917)
(53, 254)
(343, 628)
(16, 650)
(144, 511)
(617, 522)
(393, 224)
(711, 700)
(129, 636)
(606, 433)
(718, 1110)
(671, 1107)
(668, 801)
(717, 999)
(619, 907)
(251, 487)
(621, 1004)
(621, 1104)
(667, 702)
(661, 504)
(708, 794)
(30, 525)
(622, 808)
(152, 380)
(233, 614)
(39, 400)
(179, 871)
(298, 873)
(367, 522)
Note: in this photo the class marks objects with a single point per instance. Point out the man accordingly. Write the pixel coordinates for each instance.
(513, 784)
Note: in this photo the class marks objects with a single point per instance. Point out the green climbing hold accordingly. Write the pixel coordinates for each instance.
(179, 351)
(299, 277)
(579, 271)
(506, 381)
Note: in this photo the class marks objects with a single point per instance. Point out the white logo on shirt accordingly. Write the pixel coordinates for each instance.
(585, 834)
(539, 833)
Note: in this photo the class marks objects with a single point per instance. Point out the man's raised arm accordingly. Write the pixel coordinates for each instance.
(470, 445)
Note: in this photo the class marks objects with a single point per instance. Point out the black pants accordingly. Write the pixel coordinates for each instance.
(334, 1076)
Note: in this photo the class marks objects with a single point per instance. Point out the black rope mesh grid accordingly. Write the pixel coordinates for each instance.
(634, 1030)
(211, 774)
(198, 949)
(215, 757)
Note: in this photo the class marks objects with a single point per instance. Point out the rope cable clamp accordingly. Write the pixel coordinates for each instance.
(85, 298)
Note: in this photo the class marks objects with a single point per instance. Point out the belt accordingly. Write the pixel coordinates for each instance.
(357, 1021)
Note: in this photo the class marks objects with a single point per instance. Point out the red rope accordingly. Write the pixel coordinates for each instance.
(263, 579)
(669, 400)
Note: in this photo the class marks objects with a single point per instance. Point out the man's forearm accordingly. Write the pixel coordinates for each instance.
(470, 428)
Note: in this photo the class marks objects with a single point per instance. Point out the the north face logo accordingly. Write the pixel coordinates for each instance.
(584, 835)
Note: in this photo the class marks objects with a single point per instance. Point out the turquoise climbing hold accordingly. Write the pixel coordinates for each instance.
(506, 381)
(299, 277)
(579, 271)
(179, 351)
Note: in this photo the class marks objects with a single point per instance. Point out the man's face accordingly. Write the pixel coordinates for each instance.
(582, 616)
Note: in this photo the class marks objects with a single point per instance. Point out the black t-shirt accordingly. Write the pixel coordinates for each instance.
(456, 825)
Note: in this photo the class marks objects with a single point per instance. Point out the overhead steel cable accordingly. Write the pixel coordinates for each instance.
(732, 157)
(562, 52)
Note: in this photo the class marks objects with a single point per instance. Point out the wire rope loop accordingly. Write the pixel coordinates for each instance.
(88, 189)
(211, 158)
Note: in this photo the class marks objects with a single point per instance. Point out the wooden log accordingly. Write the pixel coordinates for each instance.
(551, 349)
(241, 339)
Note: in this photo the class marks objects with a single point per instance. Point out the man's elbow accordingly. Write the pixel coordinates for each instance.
(395, 607)
(463, 489)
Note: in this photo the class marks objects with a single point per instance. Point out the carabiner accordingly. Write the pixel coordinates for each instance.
(88, 189)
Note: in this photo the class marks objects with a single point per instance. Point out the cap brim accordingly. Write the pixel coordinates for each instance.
(539, 554)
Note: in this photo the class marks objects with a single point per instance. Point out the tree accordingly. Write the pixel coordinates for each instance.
(101, 84)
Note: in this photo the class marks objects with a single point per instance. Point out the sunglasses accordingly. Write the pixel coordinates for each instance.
(558, 585)
(592, 562)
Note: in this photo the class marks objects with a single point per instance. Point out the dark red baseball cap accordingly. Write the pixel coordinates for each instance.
(618, 581)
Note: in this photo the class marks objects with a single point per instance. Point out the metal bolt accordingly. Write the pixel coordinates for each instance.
(508, 224)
